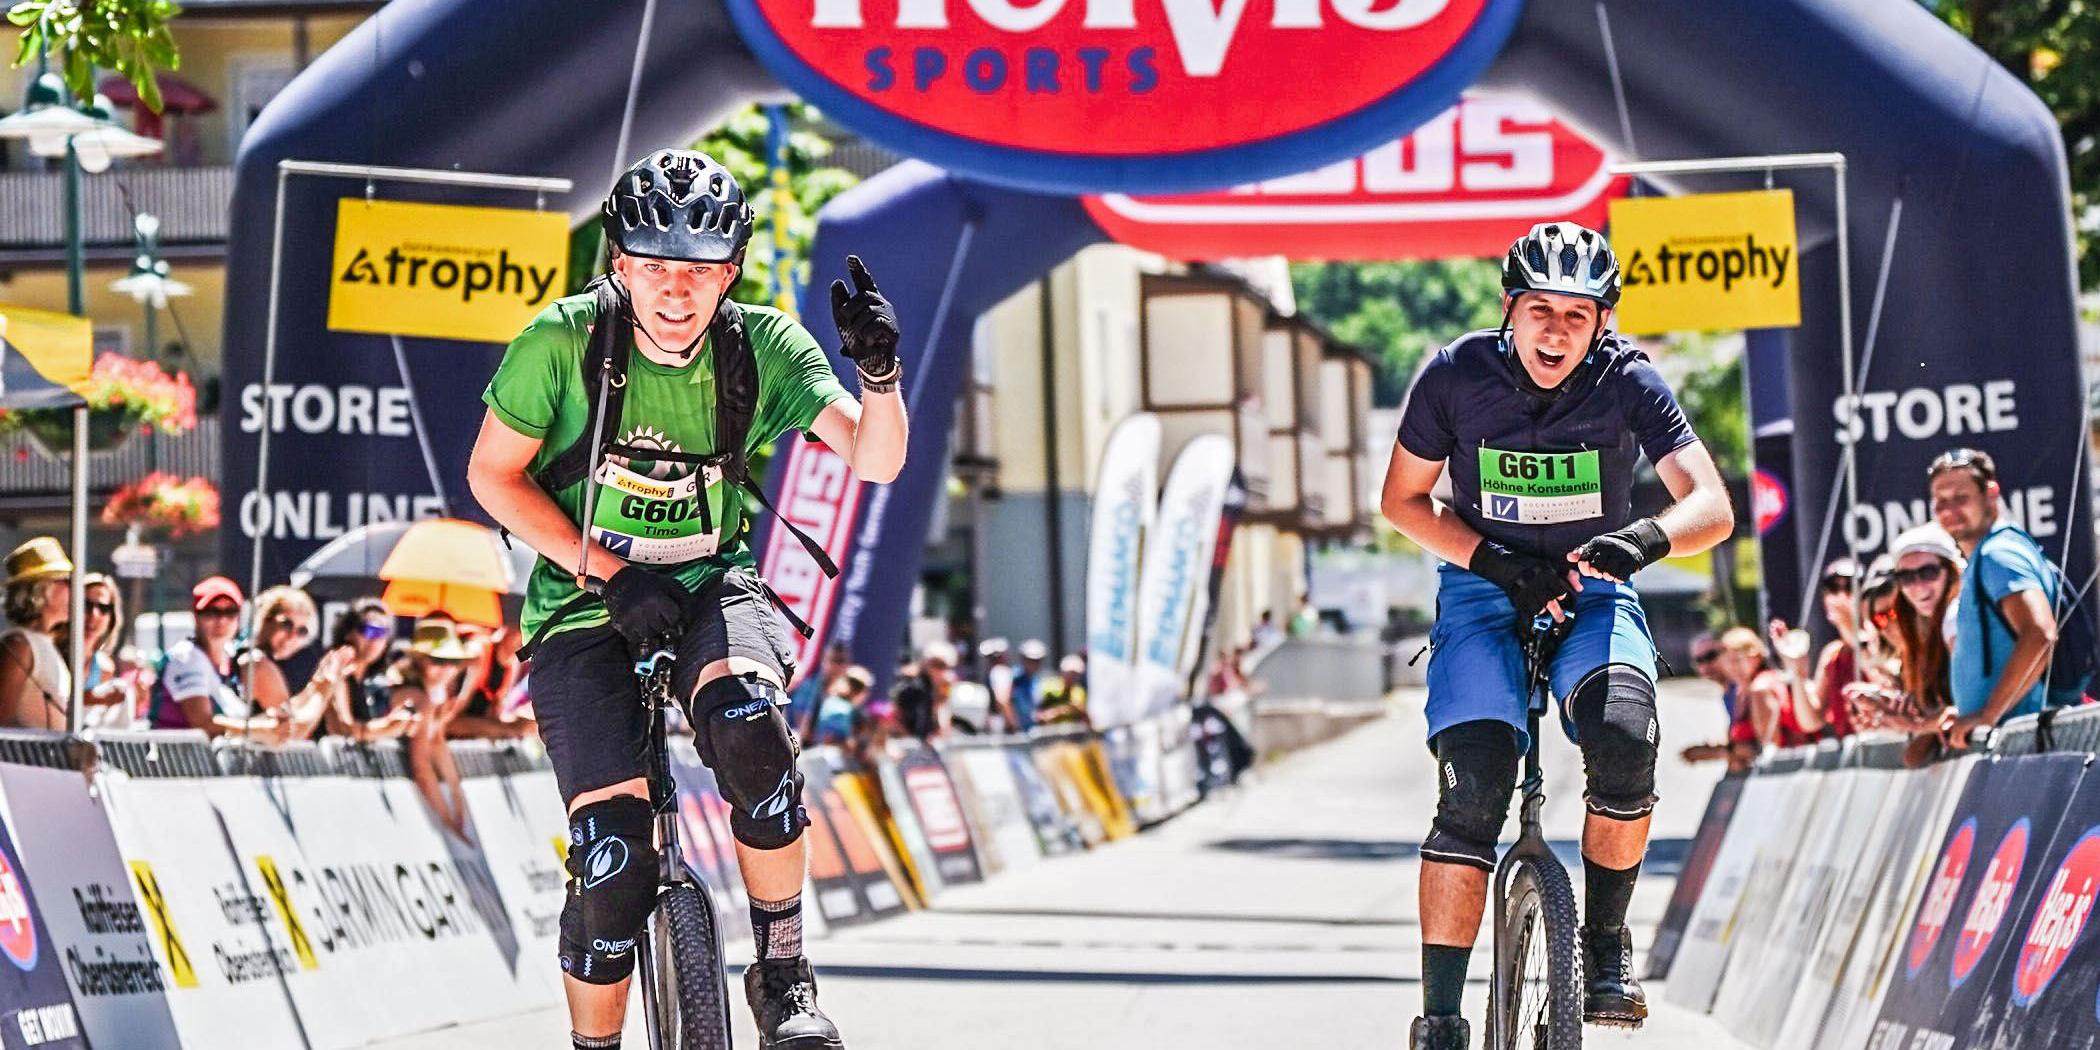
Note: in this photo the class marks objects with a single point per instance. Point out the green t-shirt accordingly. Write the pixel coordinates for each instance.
(649, 512)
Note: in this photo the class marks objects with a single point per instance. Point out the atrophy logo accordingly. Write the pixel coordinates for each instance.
(449, 270)
(443, 271)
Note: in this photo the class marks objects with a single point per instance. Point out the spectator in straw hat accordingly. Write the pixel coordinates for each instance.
(35, 684)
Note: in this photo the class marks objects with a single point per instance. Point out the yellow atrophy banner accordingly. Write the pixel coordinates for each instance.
(444, 271)
(1711, 261)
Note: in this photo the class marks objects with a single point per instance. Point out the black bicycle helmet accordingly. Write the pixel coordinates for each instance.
(678, 204)
(1565, 258)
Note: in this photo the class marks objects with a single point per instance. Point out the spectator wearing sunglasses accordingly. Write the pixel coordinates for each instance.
(1820, 705)
(1741, 745)
(109, 701)
(284, 626)
(364, 709)
(199, 683)
(2007, 626)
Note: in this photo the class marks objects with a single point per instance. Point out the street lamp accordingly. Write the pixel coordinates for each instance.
(148, 283)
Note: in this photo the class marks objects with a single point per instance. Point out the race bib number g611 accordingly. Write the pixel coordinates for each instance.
(1539, 488)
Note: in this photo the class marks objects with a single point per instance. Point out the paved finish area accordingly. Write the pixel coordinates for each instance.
(1282, 915)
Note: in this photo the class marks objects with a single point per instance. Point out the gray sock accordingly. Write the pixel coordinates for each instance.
(776, 927)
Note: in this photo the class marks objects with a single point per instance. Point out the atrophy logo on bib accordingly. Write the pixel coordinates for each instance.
(660, 512)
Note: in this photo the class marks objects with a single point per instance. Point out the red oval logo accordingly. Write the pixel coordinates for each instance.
(1464, 184)
(17, 921)
(1767, 499)
(2058, 919)
(1939, 896)
(1097, 95)
(1994, 897)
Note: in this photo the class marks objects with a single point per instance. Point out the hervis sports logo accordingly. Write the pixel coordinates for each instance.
(1938, 905)
(1153, 96)
(2059, 918)
(17, 920)
(1994, 897)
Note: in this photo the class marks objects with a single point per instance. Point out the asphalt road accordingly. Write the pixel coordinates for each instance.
(1282, 914)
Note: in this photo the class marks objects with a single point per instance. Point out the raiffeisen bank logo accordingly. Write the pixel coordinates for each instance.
(1128, 95)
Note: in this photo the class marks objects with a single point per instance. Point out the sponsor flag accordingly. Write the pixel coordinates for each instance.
(36, 1007)
(1126, 488)
(1707, 261)
(444, 271)
(1177, 562)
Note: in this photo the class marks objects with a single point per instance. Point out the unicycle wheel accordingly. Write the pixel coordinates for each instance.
(1539, 980)
(695, 957)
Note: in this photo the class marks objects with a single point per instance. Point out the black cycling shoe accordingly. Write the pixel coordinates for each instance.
(783, 998)
(1611, 995)
(1440, 1033)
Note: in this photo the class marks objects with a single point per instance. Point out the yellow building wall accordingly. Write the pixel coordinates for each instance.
(202, 314)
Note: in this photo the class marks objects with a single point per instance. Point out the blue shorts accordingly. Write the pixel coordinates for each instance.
(1476, 670)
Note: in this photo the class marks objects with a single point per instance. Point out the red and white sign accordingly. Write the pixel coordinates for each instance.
(821, 497)
(1767, 499)
(1994, 896)
(2058, 919)
(940, 813)
(17, 924)
(1465, 184)
(1939, 896)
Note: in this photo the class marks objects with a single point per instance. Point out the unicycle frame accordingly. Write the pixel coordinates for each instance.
(661, 1003)
(1539, 641)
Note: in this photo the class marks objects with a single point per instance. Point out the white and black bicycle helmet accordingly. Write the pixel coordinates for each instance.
(1565, 258)
(678, 204)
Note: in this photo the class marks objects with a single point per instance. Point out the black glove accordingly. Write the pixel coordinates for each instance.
(1623, 552)
(646, 607)
(1529, 581)
(867, 327)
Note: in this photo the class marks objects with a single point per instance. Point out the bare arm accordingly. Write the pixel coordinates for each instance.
(16, 705)
(1702, 518)
(1407, 502)
(497, 475)
(870, 434)
(2034, 642)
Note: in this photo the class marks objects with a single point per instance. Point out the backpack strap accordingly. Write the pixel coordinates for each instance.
(608, 341)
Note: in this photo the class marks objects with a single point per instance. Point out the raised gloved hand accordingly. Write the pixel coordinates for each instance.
(867, 328)
(1530, 582)
(646, 607)
(1622, 552)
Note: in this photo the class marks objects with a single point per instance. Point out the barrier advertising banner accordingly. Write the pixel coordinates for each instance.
(1008, 837)
(703, 840)
(1126, 503)
(1176, 567)
(931, 793)
(869, 847)
(1703, 953)
(210, 934)
(36, 1007)
(1710, 260)
(518, 824)
(445, 271)
(834, 834)
(1805, 798)
(1464, 184)
(1691, 878)
(2043, 993)
(1878, 794)
(96, 925)
(1054, 834)
(1986, 868)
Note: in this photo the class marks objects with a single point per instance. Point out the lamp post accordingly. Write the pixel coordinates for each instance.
(149, 285)
(89, 141)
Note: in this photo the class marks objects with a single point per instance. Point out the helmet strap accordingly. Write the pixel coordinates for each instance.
(1516, 361)
(627, 301)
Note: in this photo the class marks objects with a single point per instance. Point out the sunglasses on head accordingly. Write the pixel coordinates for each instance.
(1922, 574)
(218, 612)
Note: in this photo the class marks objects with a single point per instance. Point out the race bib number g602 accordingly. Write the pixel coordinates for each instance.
(643, 519)
(1539, 488)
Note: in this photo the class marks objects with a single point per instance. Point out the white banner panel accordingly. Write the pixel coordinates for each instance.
(520, 825)
(1707, 937)
(1126, 491)
(1173, 585)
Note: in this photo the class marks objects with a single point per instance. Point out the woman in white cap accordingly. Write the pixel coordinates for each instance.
(426, 681)
(35, 685)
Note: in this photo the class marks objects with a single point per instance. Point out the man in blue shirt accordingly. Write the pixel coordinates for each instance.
(2005, 626)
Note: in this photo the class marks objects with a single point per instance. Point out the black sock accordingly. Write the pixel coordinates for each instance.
(1443, 979)
(776, 926)
(1606, 894)
(595, 1042)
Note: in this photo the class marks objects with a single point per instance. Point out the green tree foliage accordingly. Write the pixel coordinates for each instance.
(2052, 46)
(1715, 399)
(130, 37)
(1399, 310)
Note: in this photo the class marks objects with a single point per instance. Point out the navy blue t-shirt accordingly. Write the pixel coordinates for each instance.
(1559, 471)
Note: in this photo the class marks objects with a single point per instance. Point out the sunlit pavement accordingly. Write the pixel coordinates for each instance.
(1280, 915)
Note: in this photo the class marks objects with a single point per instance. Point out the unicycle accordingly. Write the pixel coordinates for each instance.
(685, 995)
(1537, 993)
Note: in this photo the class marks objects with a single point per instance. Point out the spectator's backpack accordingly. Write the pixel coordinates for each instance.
(736, 405)
(2071, 664)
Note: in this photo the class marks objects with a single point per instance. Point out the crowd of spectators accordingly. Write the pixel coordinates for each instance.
(1956, 628)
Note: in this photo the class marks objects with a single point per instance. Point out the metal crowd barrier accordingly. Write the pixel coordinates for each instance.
(189, 753)
(2057, 730)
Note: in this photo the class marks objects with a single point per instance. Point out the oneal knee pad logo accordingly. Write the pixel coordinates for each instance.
(746, 711)
(610, 948)
(608, 857)
(1137, 95)
(776, 803)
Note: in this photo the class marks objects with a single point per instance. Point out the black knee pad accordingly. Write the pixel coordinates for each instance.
(612, 888)
(1615, 724)
(1476, 775)
(744, 738)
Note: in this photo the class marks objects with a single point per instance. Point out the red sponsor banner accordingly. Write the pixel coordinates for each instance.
(1768, 500)
(1994, 897)
(2059, 918)
(940, 813)
(1114, 93)
(1938, 905)
(1465, 184)
(820, 496)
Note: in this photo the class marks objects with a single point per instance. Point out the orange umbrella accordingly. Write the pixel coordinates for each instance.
(451, 566)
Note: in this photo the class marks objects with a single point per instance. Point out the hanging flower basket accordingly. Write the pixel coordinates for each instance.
(123, 395)
(165, 503)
